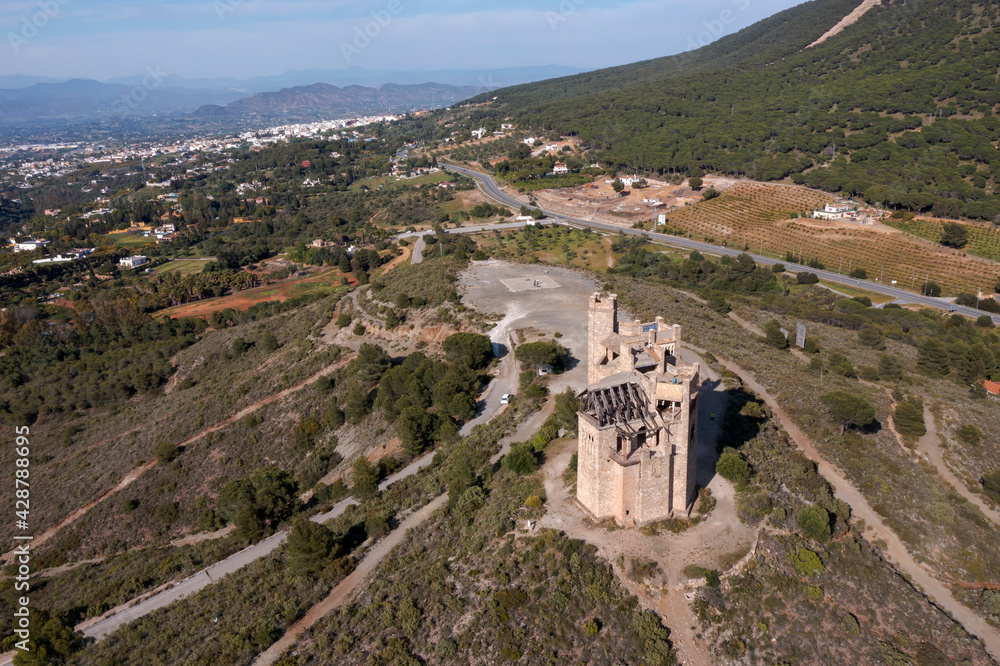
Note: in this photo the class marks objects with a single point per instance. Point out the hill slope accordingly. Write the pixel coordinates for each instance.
(322, 99)
(899, 108)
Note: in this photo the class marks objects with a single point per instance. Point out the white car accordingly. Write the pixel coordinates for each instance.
(506, 398)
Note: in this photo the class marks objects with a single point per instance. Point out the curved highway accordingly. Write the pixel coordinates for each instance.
(488, 186)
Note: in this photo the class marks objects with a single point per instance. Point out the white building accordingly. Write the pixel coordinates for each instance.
(29, 245)
(560, 168)
(834, 211)
(64, 258)
(133, 262)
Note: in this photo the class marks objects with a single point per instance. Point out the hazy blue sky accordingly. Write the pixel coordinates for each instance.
(191, 38)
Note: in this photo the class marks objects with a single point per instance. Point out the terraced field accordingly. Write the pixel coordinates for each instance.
(984, 241)
(759, 215)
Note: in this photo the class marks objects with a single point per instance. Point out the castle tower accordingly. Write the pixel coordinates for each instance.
(637, 418)
(602, 322)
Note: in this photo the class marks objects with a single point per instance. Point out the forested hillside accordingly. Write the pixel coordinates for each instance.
(900, 108)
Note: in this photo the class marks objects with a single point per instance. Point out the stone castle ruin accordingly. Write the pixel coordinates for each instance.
(637, 420)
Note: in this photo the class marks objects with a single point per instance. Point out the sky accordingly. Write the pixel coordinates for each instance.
(103, 39)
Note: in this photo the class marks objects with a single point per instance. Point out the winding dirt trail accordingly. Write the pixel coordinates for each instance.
(930, 446)
(344, 591)
(895, 550)
(136, 473)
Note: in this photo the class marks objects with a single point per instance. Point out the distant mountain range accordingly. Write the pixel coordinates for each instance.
(356, 76)
(321, 99)
(32, 102)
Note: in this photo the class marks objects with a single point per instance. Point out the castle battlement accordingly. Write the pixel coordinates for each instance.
(637, 419)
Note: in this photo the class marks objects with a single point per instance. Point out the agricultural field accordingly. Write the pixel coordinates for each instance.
(133, 241)
(182, 266)
(760, 216)
(984, 241)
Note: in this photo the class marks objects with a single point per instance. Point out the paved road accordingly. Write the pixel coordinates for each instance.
(488, 186)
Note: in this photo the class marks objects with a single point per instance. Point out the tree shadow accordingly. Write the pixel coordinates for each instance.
(872, 428)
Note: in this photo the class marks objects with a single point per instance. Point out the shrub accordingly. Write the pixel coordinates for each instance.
(775, 337)
(839, 365)
(344, 320)
(732, 467)
(814, 521)
(909, 418)
(359, 329)
(970, 435)
(991, 485)
(521, 459)
(240, 347)
(712, 578)
(269, 343)
(470, 349)
(889, 367)
(534, 502)
(859, 274)
(365, 479)
(848, 409)
(807, 278)
(167, 514)
(166, 453)
(309, 547)
(806, 562)
(778, 268)
(872, 337)
(129, 505)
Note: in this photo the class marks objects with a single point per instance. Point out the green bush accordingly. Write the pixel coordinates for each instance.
(814, 521)
(712, 578)
(521, 459)
(166, 453)
(991, 485)
(732, 467)
(806, 561)
(970, 435)
(909, 418)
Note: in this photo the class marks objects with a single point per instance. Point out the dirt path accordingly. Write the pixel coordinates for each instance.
(876, 528)
(198, 538)
(345, 590)
(847, 21)
(136, 473)
(930, 446)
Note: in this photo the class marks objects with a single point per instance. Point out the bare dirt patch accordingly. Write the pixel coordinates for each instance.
(246, 299)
